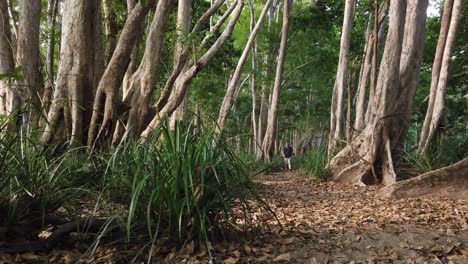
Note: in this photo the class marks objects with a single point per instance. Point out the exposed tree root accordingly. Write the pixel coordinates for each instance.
(450, 181)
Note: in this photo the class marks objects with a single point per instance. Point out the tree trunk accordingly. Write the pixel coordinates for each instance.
(14, 22)
(27, 56)
(110, 26)
(8, 96)
(132, 66)
(366, 69)
(255, 144)
(450, 181)
(107, 96)
(182, 84)
(52, 9)
(143, 82)
(78, 70)
(234, 82)
(336, 112)
(184, 17)
(268, 141)
(369, 158)
(440, 71)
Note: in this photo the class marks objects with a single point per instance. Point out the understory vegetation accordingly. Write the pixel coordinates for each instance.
(181, 184)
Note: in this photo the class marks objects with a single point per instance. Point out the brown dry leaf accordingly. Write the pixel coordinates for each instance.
(247, 249)
(236, 253)
(267, 248)
(286, 257)
(262, 258)
(219, 249)
(231, 260)
(287, 241)
(30, 256)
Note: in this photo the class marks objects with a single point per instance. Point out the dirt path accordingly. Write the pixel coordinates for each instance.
(322, 222)
(329, 223)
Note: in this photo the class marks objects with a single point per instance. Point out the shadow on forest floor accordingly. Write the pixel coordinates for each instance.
(323, 222)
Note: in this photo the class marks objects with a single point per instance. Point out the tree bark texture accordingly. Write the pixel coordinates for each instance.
(336, 112)
(359, 122)
(184, 17)
(255, 145)
(52, 9)
(182, 84)
(369, 158)
(143, 81)
(107, 96)
(27, 56)
(235, 79)
(110, 26)
(269, 139)
(440, 71)
(79, 69)
(450, 181)
(8, 95)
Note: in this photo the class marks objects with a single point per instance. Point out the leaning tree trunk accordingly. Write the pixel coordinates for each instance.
(234, 82)
(450, 181)
(8, 97)
(369, 158)
(79, 68)
(27, 56)
(182, 84)
(107, 96)
(440, 71)
(268, 141)
(336, 112)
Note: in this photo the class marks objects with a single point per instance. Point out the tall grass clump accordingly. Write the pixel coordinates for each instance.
(35, 180)
(314, 163)
(180, 184)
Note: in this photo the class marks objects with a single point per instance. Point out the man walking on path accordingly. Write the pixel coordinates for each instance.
(287, 154)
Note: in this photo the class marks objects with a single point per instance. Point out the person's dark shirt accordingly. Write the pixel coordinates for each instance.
(288, 151)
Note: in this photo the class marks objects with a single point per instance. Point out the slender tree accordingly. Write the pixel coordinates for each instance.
(8, 95)
(110, 26)
(336, 113)
(27, 56)
(233, 85)
(440, 71)
(52, 9)
(367, 66)
(182, 84)
(269, 140)
(183, 29)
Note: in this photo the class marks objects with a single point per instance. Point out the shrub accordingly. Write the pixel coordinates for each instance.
(314, 163)
(185, 185)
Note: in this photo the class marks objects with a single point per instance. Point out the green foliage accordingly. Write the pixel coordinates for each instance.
(17, 75)
(36, 181)
(314, 163)
(180, 184)
(188, 186)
